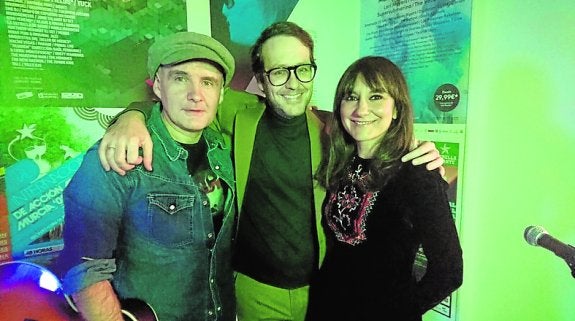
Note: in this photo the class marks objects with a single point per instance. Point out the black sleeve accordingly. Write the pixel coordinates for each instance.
(436, 228)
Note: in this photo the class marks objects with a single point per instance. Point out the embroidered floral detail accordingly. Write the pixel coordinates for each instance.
(358, 176)
(348, 209)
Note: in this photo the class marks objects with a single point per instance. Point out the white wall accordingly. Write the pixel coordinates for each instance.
(519, 161)
(335, 30)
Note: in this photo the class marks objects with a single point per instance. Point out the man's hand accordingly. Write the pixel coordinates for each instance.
(427, 154)
(98, 302)
(120, 146)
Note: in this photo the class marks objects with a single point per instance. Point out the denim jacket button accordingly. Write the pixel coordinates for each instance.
(205, 203)
(217, 167)
(219, 308)
(210, 312)
(210, 235)
(172, 207)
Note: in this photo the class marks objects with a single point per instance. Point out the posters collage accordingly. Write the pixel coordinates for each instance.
(67, 73)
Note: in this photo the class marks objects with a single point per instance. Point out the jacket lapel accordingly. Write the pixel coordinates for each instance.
(245, 127)
(316, 132)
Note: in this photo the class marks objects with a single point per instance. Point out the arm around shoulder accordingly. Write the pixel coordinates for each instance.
(142, 107)
(233, 102)
(426, 153)
(119, 149)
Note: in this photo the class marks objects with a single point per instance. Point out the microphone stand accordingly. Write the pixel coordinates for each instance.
(571, 262)
(572, 268)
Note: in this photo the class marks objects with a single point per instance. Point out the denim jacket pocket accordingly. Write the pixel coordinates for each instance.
(170, 218)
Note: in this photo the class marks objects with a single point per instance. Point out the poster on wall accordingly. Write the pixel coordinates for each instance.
(41, 151)
(429, 40)
(5, 242)
(67, 67)
(230, 28)
(449, 140)
(80, 53)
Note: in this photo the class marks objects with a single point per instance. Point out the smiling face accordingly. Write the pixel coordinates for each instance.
(190, 93)
(366, 114)
(292, 98)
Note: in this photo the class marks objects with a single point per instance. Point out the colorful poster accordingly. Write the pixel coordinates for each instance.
(65, 65)
(5, 242)
(429, 40)
(36, 207)
(41, 151)
(230, 28)
(449, 140)
(80, 53)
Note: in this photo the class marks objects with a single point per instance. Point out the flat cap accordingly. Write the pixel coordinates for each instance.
(182, 46)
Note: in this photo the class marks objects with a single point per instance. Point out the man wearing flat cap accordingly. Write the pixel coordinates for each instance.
(163, 237)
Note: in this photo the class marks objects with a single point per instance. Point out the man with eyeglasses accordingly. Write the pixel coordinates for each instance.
(276, 146)
(279, 76)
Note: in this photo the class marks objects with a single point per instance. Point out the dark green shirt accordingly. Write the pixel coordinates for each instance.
(208, 181)
(276, 240)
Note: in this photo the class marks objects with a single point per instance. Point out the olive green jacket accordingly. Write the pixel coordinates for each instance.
(238, 118)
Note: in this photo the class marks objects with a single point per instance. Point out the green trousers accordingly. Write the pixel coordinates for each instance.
(257, 301)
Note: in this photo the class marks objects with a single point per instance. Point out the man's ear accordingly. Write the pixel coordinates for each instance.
(156, 87)
(259, 81)
(222, 90)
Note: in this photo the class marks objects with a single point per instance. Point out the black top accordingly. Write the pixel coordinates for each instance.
(276, 241)
(373, 237)
(207, 181)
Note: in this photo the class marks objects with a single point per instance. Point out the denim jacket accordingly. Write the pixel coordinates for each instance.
(152, 233)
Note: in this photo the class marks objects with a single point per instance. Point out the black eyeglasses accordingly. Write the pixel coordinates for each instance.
(279, 76)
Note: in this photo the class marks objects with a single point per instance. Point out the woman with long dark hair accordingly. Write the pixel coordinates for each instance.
(379, 211)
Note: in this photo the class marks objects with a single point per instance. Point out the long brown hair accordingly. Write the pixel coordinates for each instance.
(378, 72)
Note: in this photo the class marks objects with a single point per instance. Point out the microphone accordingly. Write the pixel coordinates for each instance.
(538, 236)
